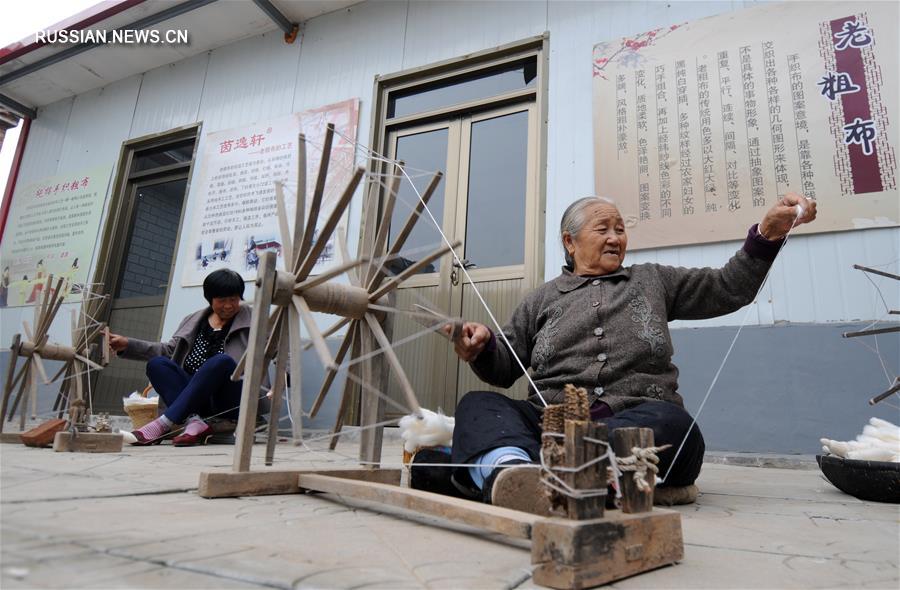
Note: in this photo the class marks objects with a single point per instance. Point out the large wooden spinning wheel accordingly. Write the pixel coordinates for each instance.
(361, 305)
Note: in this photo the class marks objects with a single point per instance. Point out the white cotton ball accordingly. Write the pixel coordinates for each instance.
(886, 428)
(429, 430)
(871, 454)
(866, 441)
(835, 447)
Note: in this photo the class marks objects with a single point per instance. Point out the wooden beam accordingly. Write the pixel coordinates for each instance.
(230, 484)
(511, 523)
(300, 209)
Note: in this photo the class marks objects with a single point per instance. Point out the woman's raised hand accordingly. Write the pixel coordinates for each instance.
(779, 220)
(471, 341)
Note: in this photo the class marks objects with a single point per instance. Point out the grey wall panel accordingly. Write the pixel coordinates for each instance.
(340, 56)
(245, 82)
(249, 81)
(170, 96)
(45, 142)
(98, 125)
(783, 387)
(441, 30)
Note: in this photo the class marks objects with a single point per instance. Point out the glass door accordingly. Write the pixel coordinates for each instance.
(488, 201)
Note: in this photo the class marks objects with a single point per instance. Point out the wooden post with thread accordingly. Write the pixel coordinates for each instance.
(634, 500)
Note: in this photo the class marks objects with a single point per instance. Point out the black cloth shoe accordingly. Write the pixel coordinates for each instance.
(433, 478)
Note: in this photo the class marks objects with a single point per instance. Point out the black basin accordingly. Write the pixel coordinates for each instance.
(875, 481)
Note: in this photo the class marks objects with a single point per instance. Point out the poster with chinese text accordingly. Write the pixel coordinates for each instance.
(235, 217)
(700, 127)
(51, 230)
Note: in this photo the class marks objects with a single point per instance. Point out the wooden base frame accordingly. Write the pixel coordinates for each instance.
(88, 442)
(568, 554)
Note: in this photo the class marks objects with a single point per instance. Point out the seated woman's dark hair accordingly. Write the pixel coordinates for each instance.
(223, 283)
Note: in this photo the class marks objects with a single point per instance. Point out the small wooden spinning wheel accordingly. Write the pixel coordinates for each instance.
(36, 348)
(360, 304)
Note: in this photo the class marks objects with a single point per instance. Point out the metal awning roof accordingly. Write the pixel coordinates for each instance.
(34, 74)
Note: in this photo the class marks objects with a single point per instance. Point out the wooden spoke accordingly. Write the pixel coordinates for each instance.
(39, 363)
(327, 276)
(316, 204)
(28, 333)
(314, 334)
(331, 372)
(300, 211)
(395, 281)
(325, 233)
(394, 362)
(89, 362)
(351, 389)
(274, 332)
(242, 362)
(22, 379)
(385, 227)
(334, 328)
(400, 240)
(345, 256)
(287, 243)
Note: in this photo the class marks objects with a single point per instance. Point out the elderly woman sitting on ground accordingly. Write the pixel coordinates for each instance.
(601, 326)
(192, 371)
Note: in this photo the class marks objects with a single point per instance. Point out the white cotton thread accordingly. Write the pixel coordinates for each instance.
(728, 352)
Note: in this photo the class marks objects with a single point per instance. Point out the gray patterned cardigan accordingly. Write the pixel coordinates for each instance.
(610, 334)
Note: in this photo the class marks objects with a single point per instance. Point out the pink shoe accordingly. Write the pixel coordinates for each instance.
(196, 432)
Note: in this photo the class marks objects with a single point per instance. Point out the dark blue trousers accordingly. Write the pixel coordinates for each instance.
(207, 392)
(486, 420)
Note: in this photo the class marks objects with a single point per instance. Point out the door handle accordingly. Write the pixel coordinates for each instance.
(464, 263)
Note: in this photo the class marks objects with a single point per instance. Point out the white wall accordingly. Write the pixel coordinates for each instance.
(341, 53)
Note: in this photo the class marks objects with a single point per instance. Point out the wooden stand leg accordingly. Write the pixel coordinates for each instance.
(634, 500)
(371, 405)
(10, 372)
(256, 351)
(277, 392)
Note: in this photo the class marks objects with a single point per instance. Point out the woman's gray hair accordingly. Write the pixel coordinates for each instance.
(573, 220)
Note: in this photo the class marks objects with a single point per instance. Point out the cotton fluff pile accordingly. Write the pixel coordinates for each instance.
(879, 441)
(434, 429)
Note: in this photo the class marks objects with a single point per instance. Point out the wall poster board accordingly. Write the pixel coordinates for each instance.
(235, 218)
(51, 229)
(700, 127)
